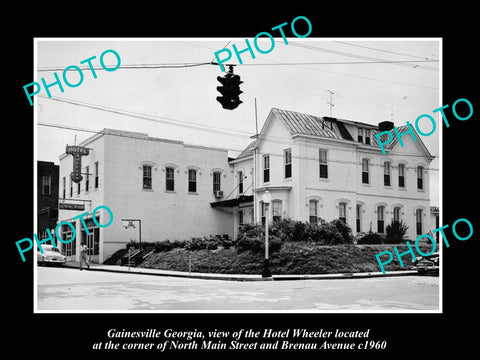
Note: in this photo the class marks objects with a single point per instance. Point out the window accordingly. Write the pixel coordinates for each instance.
(277, 210)
(170, 179)
(240, 182)
(262, 206)
(313, 211)
(360, 135)
(288, 163)
(386, 173)
(216, 181)
(71, 187)
(419, 222)
(64, 186)
(380, 219)
(46, 185)
(342, 212)
(401, 175)
(147, 177)
(87, 179)
(365, 179)
(96, 175)
(322, 160)
(78, 188)
(396, 213)
(240, 217)
(192, 180)
(266, 168)
(367, 136)
(359, 218)
(420, 177)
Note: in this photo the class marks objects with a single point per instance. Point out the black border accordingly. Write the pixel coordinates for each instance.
(407, 334)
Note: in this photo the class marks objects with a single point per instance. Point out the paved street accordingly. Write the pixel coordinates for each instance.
(71, 289)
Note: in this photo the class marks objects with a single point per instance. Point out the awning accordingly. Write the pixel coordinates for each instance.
(232, 202)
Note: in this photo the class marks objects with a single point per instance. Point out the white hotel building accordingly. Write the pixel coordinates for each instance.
(314, 167)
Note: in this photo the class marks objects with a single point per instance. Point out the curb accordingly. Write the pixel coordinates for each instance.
(235, 277)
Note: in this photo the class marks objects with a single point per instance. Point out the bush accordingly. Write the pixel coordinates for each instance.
(195, 243)
(226, 242)
(396, 230)
(245, 243)
(163, 246)
(344, 230)
(370, 238)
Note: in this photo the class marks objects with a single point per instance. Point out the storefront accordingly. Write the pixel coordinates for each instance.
(88, 234)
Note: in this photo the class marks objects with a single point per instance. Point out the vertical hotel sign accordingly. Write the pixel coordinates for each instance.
(77, 152)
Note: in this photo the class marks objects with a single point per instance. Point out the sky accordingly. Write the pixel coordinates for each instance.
(154, 92)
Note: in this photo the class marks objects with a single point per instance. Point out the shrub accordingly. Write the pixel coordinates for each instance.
(178, 243)
(344, 230)
(396, 230)
(370, 238)
(245, 243)
(257, 245)
(195, 243)
(163, 246)
(226, 242)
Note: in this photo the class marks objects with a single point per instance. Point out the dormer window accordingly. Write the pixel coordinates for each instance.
(363, 136)
(360, 135)
(367, 136)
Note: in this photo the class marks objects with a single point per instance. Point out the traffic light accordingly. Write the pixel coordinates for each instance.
(230, 90)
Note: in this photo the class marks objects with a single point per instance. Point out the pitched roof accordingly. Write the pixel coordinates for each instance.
(247, 151)
(328, 127)
(304, 124)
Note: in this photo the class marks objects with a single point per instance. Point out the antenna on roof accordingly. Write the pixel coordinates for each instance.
(331, 101)
(256, 122)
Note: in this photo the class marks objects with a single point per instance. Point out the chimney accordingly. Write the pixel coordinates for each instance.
(385, 125)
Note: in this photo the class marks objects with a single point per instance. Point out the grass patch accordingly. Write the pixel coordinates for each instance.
(292, 258)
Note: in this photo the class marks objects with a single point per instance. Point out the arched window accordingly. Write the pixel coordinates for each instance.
(313, 211)
(192, 180)
(147, 176)
(419, 220)
(358, 218)
(381, 219)
(396, 213)
(342, 212)
(169, 179)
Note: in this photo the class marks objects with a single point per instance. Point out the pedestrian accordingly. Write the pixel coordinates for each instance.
(83, 255)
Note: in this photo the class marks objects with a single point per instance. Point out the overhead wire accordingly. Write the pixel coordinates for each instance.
(180, 123)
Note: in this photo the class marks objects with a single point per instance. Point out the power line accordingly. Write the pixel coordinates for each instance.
(181, 123)
(160, 119)
(148, 138)
(369, 58)
(382, 50)
(135, 66)
(186, 65)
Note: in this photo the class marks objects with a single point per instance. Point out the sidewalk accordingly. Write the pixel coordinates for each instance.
(236, 277)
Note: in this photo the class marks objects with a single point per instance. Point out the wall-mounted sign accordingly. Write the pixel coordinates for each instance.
(77, 152)
(67, 206)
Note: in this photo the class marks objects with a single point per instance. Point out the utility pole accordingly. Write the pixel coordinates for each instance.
(331, 101)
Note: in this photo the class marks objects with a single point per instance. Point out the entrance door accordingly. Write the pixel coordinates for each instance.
(92, 254)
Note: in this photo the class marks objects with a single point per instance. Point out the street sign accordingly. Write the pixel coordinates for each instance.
(67, 206)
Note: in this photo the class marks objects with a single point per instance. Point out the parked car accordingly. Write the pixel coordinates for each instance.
(428, 264)
(51, 255)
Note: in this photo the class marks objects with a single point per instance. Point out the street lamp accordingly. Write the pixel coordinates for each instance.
(267, 199)
(129, 222)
